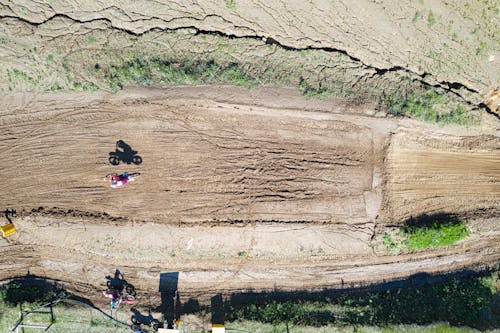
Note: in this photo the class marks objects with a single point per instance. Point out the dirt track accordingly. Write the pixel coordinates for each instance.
(231, 195)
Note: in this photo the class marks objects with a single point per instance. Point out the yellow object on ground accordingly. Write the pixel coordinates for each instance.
(8, 229)
(218, 328)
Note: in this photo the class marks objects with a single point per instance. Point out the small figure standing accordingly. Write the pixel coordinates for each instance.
(117, 298)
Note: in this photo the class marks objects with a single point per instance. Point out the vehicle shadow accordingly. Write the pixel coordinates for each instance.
(117, 282)
(140, 319)
(124, 153)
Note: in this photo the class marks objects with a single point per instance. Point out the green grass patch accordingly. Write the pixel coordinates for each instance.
(426, 236)
(311, 92)
(390, 244)
(33, 292)
(482, 49)
(149, 70)
(417, 16)
(84, 86)
(22, 76)
(431, 20)
(429, 106)
(68, 319)
(230, 4)
(434, 235)
(90, 39)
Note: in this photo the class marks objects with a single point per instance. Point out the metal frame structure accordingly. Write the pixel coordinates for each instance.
(20, 325)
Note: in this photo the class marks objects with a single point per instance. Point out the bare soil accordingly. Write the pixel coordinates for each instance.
(236, 193)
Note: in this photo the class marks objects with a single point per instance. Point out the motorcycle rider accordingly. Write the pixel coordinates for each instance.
(118, 181)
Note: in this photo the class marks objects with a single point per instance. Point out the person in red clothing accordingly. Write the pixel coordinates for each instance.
(118, 181)
(117, 298)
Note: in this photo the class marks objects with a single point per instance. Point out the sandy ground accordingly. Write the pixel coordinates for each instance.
(235, 194)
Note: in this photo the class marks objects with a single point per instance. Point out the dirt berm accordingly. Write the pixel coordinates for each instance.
(235, 192)
(369, 48)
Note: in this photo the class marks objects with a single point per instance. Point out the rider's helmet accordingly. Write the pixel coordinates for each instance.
(114, 179)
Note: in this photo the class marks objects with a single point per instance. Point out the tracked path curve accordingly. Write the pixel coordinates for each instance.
(234, 194)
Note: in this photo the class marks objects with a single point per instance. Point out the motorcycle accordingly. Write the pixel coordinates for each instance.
(117, 296)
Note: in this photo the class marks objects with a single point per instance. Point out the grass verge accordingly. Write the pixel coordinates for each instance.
(145, 71)
(256, 327)
(32, 292)
(67, 319)
(419, 307)
(429, 106)
(112, 58)
(471, 301)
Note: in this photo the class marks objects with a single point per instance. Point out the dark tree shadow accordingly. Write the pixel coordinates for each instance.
(30, 290)
(33, 289)
(458, 298)
(124, 153)
(425, 220)
(191, 306)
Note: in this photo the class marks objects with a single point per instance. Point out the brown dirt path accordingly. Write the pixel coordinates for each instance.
(231, 195)
(201, 163)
